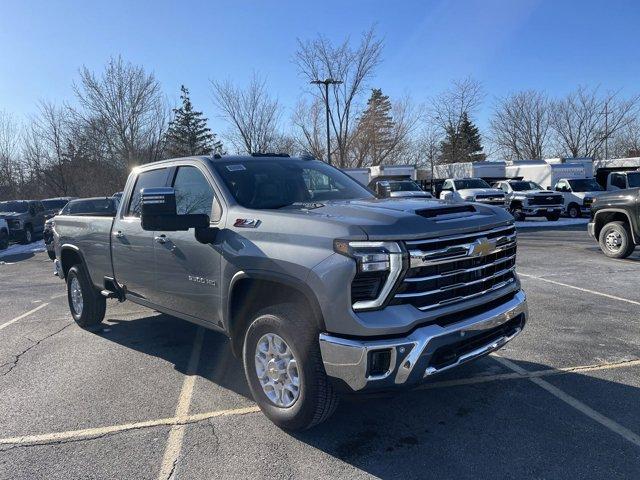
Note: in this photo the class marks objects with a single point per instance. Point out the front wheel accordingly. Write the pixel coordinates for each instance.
(27, 236)
(86, 304)
(284, 368)
(517, 213)
(4, 241)
(615, 240)
(52, 254)
(553, 217)
(573, 210)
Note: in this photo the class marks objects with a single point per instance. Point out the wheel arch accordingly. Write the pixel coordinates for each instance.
(250, 291)
(70, 255)
(602, 217)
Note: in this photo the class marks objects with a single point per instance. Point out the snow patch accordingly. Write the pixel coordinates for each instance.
(18, 249)
(544, 223)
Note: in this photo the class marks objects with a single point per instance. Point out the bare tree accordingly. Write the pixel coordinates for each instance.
(253, 114)
(450, 110)
(584, 121)
(319, 59)
(626, 142)
(520, 125)
(10, 167)
(125, 106)
(309, 127)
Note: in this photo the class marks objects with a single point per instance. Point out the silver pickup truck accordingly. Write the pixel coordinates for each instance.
(321, 287)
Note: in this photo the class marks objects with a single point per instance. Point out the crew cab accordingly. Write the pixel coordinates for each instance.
(472, 190)
(614, 222)
(528, 199)
(4, 234)
(321, 287)
(25, 219)
(578, 194)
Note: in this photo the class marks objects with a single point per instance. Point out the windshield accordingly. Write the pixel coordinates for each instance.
(263, 183)
(18, 207)
(633, 179)
(522, 186)
(54, 204)
(585, 185)
(471, 183)
(404, 186)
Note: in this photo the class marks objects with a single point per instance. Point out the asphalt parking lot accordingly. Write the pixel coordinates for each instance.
(150, 396)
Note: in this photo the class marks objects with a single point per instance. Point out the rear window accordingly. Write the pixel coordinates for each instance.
(54, 204)
(14, 207)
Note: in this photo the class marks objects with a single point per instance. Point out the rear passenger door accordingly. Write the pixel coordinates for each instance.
(188, 272)
(131, 246)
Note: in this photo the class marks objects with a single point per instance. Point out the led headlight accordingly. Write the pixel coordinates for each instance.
(378, 267)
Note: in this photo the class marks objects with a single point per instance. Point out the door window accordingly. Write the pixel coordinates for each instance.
(194, 194)
(149, 179)
(447, 186)
(617, 180)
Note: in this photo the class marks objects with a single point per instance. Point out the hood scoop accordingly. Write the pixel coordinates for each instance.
(449, 210)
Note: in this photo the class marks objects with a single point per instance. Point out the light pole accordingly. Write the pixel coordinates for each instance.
(326, 82)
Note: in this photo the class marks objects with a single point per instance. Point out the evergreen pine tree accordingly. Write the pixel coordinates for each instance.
(188, 133)
(463, 144)
(376, 128)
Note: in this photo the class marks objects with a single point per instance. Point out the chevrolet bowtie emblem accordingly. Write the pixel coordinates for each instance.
(481, 247)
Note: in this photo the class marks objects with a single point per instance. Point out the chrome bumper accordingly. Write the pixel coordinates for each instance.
(591, 228)
(542, 210)
(411, 357)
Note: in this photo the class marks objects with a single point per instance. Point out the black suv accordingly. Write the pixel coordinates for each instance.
(24, 217)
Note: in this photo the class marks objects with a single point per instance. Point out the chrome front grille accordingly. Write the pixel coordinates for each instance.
(457, 268)
(491, 199)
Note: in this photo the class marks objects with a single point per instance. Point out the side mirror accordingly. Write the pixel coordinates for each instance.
(383, 189)
(549, 187)
(158, 212)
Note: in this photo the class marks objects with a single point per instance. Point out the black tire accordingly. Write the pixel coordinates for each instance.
(4, 240)
(317, 399)
(615, 240)
(573, 210)
(27, 236)
(516, 211)
(94, 304)
(52, 254)
(553, 217)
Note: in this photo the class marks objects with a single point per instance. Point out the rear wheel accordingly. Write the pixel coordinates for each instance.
(284, 368)
(615, 240)
(86, 304)
(27, 236)
(573, 210)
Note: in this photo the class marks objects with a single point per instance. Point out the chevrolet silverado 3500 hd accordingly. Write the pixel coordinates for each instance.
(321, 287)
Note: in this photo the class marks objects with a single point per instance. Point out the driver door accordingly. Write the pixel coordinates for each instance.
(187, 271)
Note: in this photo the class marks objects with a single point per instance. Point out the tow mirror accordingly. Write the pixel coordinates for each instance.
(158, 212)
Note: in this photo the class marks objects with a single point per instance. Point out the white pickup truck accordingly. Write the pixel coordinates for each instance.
(472, 190)
(623, 180)
(578, 194)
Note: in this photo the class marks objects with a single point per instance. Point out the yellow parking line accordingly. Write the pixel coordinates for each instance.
(89, 433)
(586, 290)
(14, 320)
(176, 435)
(577, 404)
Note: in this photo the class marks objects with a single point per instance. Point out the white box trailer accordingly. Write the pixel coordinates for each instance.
(366, 175)
(547, 173)
(361, 175)
(487, 170)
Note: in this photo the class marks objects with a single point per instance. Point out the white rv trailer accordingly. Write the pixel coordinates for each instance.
(486, 170)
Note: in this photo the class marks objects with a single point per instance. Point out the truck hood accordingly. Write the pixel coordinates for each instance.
(405, 218)
(10, 215)
(537, 193)
(410, 194)
(589, 194)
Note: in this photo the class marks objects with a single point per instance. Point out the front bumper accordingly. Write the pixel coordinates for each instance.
(591, 229)
(426, 351)
(535, 210)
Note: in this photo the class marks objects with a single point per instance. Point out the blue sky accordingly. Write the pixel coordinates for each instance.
(507, 45)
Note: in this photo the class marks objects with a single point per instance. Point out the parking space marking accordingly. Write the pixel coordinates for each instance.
(90, 433)
(575, 403)
(20, 317)
(586, 290)
(176, 435)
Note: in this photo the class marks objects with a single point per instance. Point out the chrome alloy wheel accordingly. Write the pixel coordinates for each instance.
(76, 296)
(277, 370)
(613, 240)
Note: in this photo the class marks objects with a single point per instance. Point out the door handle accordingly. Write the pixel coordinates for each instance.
(119, 234)
(161, 239)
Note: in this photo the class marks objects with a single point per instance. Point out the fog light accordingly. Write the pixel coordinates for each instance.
(379, 361)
